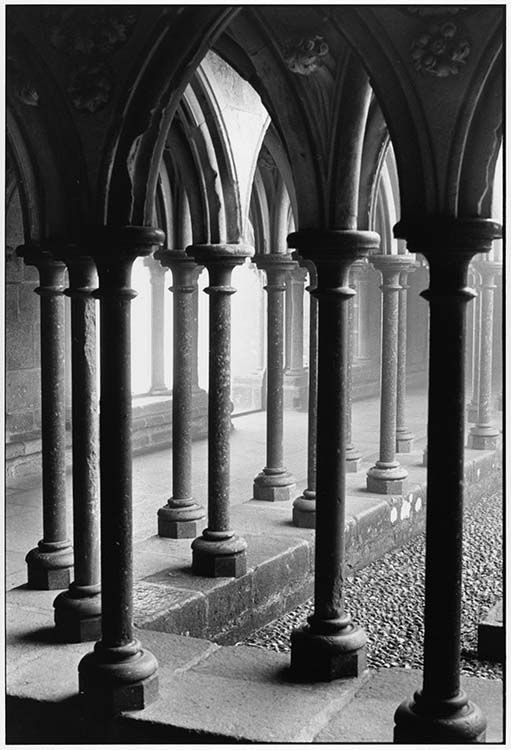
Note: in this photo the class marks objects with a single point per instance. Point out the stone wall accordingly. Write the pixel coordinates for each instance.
(22, 389)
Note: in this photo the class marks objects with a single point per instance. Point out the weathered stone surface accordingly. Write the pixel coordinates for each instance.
(170, 610)
(23, 389)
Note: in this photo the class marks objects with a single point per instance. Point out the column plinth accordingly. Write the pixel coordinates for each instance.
(274, 483)
(49, 565)
(78, 610)
(441, 712)
(181, 516)
(118, 675)
(219, 551)
(304, 506)
(387, 476)
(331, 646)
(485, 435)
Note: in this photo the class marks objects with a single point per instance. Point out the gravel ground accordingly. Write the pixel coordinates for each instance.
(387, 597)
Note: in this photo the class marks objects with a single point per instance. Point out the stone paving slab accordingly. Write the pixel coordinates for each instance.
(369, 717)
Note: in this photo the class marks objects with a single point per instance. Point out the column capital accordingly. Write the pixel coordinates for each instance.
(227, 255)
(273, 261)
(332, 245)
(185, 270)
(128, 239)
(391, 264)
(51, 268)
(437, 236)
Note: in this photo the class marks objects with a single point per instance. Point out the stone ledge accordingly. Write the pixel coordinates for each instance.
(491, 635)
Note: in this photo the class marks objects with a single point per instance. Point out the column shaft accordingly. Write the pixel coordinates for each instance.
(78, 610)
(157, 278)
(331, 646)
(180, 517)
(485, 435)
(304, 507)
(473, 406)
(49, 564)
(275, 483)
(387, 475)
(440, 712)
(353, 456)
(404, 438)
(118, 675)
(219, 552)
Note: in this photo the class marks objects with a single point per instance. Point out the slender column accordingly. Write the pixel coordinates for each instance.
(295, 280)
(78, 609)
(219, 552)
(118, 675)
(404, 437)
(274, 482)
(330, 645)
(353, 455)
(387, 476)
(49, 564)
(485, 435)
(473, 406)
(157, 279)
(180, 517)
(441, 712)
(304, 507)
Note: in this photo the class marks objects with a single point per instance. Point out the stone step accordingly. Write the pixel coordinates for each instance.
(491, 638)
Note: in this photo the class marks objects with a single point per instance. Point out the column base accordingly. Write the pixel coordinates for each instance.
(117, 679)
(78, 614)
(304, 510)
(49, 566)
(353, 460)
(386, 479)
(323, 657)
(215, 557)
(472, 413)
(274, 485)
(404, 441)
(179, 521)
(483, 438)
(452, 721)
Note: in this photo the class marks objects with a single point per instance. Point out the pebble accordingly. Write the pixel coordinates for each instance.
(386, 597)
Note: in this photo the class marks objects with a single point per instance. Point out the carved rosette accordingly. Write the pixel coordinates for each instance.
(88, 37)
(306, 56)
(441, 51)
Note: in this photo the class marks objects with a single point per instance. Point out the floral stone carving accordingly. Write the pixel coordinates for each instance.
(441, 51)
(89, 39)
(306, 56)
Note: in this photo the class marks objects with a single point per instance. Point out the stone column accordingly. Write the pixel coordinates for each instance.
(304, 507)
(296, 280)
(485, 435)
(219, 552)
(295, 373)
(157, 279)
(441, 712)
(387, 476)
(404, 437)
(49, 564)
(473, 406)
(78, 609)
(353, 455)
(274, 482)
(119, 675)
(180, 517)
(330, 645)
